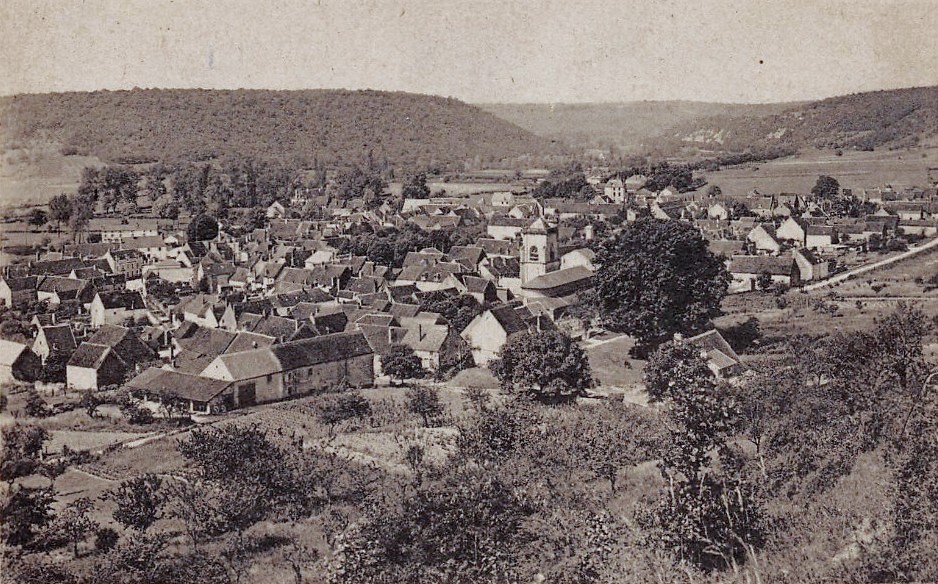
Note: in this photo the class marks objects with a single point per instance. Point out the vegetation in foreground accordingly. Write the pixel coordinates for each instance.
(755, 480)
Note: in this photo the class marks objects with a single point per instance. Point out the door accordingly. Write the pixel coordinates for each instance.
(247, 395)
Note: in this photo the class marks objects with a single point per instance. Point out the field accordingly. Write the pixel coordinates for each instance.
(612, 366)
(36, 174)
(854, 170)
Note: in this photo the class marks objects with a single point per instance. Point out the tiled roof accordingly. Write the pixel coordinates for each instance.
(559, 278)
(776, 266)
(168, 383)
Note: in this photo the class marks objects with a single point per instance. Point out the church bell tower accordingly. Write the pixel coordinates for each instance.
(540, 250)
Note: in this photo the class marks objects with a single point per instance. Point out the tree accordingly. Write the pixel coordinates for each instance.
(74, 523)
(657, 278)
(166, 208)
(35, 406)
(416, 187)
(22, 446)
(548, 366)
(826, 187)
(90, 403)
(334, 410)
(611, 436)
(139, 502)
(457, 309)
(710, 514)
(105, 539)
(37, 218)
(468, 527)
(24, 514)
(82, 210)
(240, 477)
(202, 228)
(764, 281)
(60, 209)
(400, 362)
(425, 402)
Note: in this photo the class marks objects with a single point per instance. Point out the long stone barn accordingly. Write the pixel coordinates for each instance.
(295, 368)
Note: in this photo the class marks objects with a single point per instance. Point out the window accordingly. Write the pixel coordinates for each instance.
(533, 254)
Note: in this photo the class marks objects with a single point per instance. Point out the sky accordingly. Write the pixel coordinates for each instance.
(541, 51)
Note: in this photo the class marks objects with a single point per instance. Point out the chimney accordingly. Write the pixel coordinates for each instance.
(253, 344)
(538, 323)
(420, 331)
(390, 336)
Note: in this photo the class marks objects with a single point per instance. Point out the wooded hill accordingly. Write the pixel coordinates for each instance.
(893, 118)
(881, 119)
(399, 130)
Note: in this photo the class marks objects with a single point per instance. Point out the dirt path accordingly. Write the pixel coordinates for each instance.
(843, 277)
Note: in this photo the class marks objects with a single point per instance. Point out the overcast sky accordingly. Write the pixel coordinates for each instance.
(488, 51)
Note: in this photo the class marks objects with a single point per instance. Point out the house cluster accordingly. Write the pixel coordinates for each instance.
(260, 315)
(786, 238)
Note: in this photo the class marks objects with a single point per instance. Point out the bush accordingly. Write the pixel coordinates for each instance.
(137, 415)
(36, 407)
(105, 539)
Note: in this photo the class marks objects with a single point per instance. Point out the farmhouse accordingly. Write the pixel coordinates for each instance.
(489, 331)
(18, 362)
(765, 238)
(198, 395)
(17, 291)
(54, 340)
(106, 358)
(116, 307)
(747, 269)
(295, 368)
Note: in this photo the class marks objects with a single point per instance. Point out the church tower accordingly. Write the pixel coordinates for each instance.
(540, 250)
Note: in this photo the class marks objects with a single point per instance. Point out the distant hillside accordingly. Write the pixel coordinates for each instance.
(629, 127)
(333, 126)
(864, 121)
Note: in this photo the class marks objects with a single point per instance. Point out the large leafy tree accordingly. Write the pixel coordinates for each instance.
(60, 209)
(466, 527)
(333, 410)
(400, 362)
(457, 309)
(24, 514)
(240, 478)
(202, 228)
(22, 445)
(546, 365)
(425, 401)
(657, 278)
(826, 187)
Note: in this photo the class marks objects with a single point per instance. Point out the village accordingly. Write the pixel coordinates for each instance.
(279, 311)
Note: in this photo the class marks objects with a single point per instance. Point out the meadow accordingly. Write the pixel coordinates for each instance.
(854, 170)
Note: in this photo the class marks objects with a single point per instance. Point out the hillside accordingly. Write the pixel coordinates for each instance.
(863, 121)
(628, 127)
(894, 118)
(333, 126)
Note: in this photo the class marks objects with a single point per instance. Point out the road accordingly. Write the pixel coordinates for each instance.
(843, 277)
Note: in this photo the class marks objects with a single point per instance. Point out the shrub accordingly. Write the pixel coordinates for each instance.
(105, 539)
